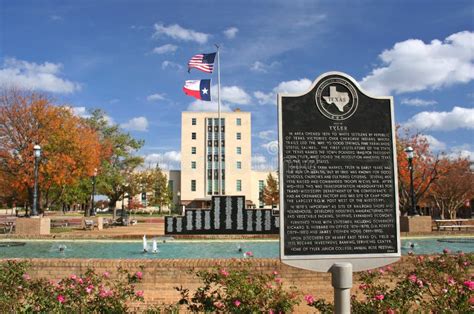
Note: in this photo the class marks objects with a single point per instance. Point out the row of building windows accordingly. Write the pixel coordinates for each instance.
(209, 164)
(238, 136)
(238, 121)
(238, 185)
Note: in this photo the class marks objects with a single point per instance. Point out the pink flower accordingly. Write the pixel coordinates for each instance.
(379, 297)
(219, 305)
(271, 312)
(237, 303)
(419, 283)
(61, 298)
(390, 311)
(139, 293)
(381, 271)
(469, 284)
(309, 299)
(451, 281)
(421, 258)
(278, 280)
(224, 272)
(269, 286)
(471, 301)
(26, 277)
(275, 273)
(139, 274)
(79, 281)
(88, 290)
(73, 277)
(412, 278)
(103, 293)
(249, 254)
(106, 274)
(465, 264)
(446, 251)
(461, 253)
(444, 290)
(389, 268)
(363, 286)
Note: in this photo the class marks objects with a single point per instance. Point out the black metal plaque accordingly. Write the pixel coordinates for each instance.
(338, 171)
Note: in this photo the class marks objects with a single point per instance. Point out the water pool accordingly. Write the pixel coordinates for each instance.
(192, 249)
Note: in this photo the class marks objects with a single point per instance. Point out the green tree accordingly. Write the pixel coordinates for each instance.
(113, 180)
(271, 193)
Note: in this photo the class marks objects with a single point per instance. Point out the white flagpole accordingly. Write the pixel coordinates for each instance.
(219, 157)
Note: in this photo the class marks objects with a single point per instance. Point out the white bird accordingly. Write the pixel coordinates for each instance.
(155, 246)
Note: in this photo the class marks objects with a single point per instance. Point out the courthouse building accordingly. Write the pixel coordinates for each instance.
(198, 180)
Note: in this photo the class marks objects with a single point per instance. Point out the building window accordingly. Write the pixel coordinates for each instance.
(193, 185)
(193, 150)
(239, 186)
(170, 185)
(193, 165)
(239, 150)
(238, 121)
(239, 136)
(193, 121)
(239, 165)
(193, 135)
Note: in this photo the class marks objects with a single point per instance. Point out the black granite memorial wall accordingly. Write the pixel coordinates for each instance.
(227, 215)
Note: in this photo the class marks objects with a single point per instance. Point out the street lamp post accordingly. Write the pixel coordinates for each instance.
(410, 154)
(93, 192)
(37, 154)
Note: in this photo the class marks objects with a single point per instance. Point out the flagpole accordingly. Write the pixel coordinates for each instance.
(219, 157)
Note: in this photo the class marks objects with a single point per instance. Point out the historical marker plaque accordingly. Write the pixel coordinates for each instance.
(338, 183)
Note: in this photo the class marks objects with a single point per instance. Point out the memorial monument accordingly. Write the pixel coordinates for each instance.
(227, 215)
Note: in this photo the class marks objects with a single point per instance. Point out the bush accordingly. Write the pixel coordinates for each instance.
(239, 291)
(91, 292)
(433, 284)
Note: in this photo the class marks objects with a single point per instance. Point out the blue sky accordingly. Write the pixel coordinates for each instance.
(129, 58)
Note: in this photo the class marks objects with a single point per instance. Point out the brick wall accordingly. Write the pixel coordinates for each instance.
(161, 276)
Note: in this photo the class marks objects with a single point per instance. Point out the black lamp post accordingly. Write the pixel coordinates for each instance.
(37, 154)
(93, 192)
(410, 154)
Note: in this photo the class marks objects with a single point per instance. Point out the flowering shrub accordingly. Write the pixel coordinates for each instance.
(433, 284)
(239, 291)
(90, 292)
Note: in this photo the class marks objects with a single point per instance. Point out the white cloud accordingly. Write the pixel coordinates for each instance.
(83, 113)
(418, 102)
(412, 65)
(55, 18)
(288, 87)
(262, 67)
(462, 152)
(167, 160)
(231, 32)
(44, 77)
(232, 94)
(260, 162)
(177, 32)
(458, 118)
(267, 135)
(165, 49)
(435, 144)
(170, 64)
(136, 124)
(199, 105)
(156, 97)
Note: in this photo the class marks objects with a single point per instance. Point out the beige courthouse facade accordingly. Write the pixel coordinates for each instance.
(198, 180)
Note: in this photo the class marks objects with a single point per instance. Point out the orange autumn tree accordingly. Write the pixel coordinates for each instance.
(70, 149)
(454, 188)
(426, 169)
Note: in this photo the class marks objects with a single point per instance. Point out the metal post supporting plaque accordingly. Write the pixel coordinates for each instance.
(342, 284)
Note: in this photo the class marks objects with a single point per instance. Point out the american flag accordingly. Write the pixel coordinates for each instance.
(203, 62)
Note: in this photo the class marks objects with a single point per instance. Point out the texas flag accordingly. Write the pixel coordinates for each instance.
(200, 89)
